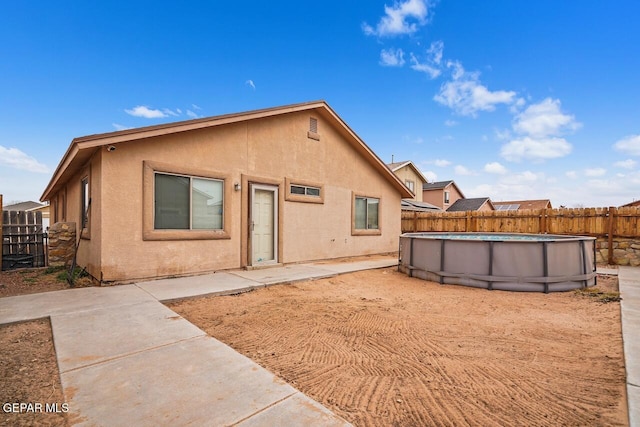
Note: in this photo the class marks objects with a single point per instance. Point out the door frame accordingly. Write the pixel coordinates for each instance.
(276, 230)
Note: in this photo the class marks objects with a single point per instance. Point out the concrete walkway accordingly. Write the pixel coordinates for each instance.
(126, 359)
(629, 283)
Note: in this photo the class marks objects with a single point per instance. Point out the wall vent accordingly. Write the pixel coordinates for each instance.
(313, 129)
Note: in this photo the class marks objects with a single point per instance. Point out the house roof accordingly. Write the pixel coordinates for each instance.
(23, 206)
(462, 205)
(399, 165)
(412, 205)
(634, 203)
(440, 185)
(81, 149)
(527, 204)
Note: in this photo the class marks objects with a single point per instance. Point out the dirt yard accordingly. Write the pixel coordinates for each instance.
(379, 348)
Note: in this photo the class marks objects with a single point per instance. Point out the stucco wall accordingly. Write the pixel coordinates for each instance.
(436, 197)
(266, 150)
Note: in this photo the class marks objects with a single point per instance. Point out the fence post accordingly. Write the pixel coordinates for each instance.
(467, 222)
(610, 231)
(415, 221)
(543, 221)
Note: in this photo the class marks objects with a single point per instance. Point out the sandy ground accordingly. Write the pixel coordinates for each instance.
(29, 375)
(379, 348)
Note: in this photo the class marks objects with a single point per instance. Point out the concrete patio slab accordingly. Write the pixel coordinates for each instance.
(207, 284)
(286, 274)
(608, 271)
(36, 306)
(294, 411)
(629, 284)
(89, 337)
(348, 267)
(195, 382)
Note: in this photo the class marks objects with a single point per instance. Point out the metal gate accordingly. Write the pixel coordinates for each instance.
(24, 241)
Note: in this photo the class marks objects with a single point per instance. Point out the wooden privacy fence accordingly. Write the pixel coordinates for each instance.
(23, 240)
(597, 222)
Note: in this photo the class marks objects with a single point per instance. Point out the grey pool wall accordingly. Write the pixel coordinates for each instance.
(504, 261)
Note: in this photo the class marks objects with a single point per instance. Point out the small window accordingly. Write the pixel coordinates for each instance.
(446, 197)
(410, 185)
(366, 213)
(187, 203)
(305, 190)
(86, 201)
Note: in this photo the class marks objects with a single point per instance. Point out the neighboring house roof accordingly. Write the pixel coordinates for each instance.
(462, 205)
(399, 165)
(634, 203)
(23, 206)
(412, 205)
(524, 204)
(441, 185)
(81, 149)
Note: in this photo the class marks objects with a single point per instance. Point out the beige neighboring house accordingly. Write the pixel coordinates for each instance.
(512, 205)
(411, 176)
(442, 194)
(31, 206)
(259, 188)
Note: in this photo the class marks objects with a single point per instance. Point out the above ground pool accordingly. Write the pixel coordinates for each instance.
(510, 262)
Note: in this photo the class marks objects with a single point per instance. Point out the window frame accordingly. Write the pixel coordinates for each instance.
(368, 231)
(150, 169)
(191, 179)
(447, 198)
(303, 198)
(85, 205)
(411, 185)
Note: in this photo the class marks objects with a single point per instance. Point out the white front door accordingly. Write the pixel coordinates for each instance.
(264, 224)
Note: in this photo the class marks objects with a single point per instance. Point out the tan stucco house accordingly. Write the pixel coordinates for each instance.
(411, 176)
(442, 194)
(280, 185)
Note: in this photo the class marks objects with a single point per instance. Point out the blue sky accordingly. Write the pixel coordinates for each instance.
(512, 100)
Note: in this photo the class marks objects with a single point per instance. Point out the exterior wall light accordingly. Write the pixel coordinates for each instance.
(236, 186)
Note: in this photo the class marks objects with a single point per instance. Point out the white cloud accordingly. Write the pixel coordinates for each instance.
(495, 167)
(17, 159)
(626, 164)
(169, 112)
(120, 127)
(146, 112)
(401, 18)
(435, 51)
(195, 107)
(392, 57)
(629, 145)
(442, 163)
(571, 174)
(503, 134)
(535, 149)
(544, 119)
(430, 175)
(450, 123)
(249, 83)
(461, 170)
(433, 72)
(467, 96)
(434, 58)
(593, 172)
(192, 114)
